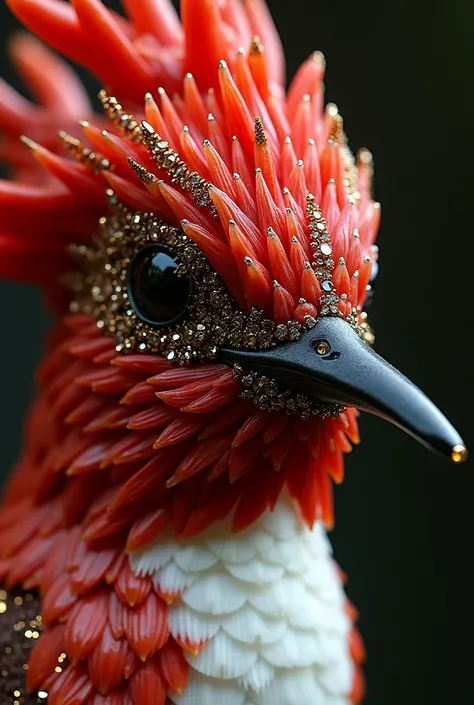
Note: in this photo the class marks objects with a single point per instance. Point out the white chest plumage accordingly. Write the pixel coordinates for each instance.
(269, 605)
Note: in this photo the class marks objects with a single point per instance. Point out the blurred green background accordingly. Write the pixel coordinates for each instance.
(401, 74)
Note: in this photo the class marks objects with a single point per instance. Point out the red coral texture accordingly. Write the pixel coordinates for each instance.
(119, 447)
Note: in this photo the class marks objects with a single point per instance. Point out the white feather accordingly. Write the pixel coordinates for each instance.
(258, 677)
(292, 688)
(268, 605)
(202, 690)
(223, 658)
(195, 558)
(188, 624)
(294, 650)
(320, 617)
(155, 556)
(215, 594)
(233, 550)
(251, 627)
(284, 524)
(319, 574)
(293, 554)
(172, 579)
(257, 571)
(338, 679)
(281, 599)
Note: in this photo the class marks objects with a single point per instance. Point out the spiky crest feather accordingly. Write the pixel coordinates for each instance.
(148, 442)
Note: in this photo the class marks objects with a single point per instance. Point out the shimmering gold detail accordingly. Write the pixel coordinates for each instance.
(31, 144)
(266, 393)
(459, 454)
(180, 173)
(256, 46)
(125, 122)
(20, 627)
(337, 130)
(83, 154)
(213, 319)
(260, 136)
(143, 174)
(323, 266)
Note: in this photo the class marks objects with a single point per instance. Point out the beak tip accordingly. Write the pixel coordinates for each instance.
(459, 454)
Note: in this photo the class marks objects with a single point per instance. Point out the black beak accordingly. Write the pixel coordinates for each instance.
(332, 363)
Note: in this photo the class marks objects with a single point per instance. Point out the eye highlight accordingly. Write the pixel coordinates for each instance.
(158, 296)
(148, 285)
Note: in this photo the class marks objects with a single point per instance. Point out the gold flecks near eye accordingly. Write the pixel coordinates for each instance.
(180, 173)
(260, 136)
(83, 154)
(125, 122)
(459, 454)
(160, 150)
(323, 262)
(143, 174)
(213, 318)
(323, 266)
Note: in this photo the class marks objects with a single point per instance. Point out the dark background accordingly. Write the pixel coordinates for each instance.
(401, 74)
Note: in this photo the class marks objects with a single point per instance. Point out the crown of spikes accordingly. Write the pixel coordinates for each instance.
(261, 184)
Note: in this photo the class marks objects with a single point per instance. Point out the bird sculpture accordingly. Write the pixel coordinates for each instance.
(206, 246)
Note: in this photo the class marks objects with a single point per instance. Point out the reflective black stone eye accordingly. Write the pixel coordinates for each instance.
(158, 296)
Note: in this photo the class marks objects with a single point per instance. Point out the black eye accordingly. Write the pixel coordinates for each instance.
(158, 295)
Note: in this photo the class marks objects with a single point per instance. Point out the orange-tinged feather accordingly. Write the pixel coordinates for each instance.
(130, 588)
(107, 663)
(147, 685)
(73, 686)
(44, 657)
(85, 625)
(147, 626)
(174, 666)
(147, 528)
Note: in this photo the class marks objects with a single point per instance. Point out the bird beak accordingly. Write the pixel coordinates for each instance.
(331, 363)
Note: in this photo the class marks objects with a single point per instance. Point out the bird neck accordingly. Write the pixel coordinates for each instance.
(259, 611)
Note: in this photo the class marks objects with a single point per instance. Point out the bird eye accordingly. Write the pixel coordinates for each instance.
(150, 287)
(156, 292)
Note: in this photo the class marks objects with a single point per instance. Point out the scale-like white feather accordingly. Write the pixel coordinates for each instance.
(268, 604)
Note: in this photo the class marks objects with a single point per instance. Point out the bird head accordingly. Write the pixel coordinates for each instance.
(215, 244)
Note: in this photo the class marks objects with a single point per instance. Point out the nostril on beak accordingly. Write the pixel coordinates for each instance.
(321, 346)
(323, 349)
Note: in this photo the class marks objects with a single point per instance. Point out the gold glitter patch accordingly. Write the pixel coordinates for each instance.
(20, 627)
(213, 319)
